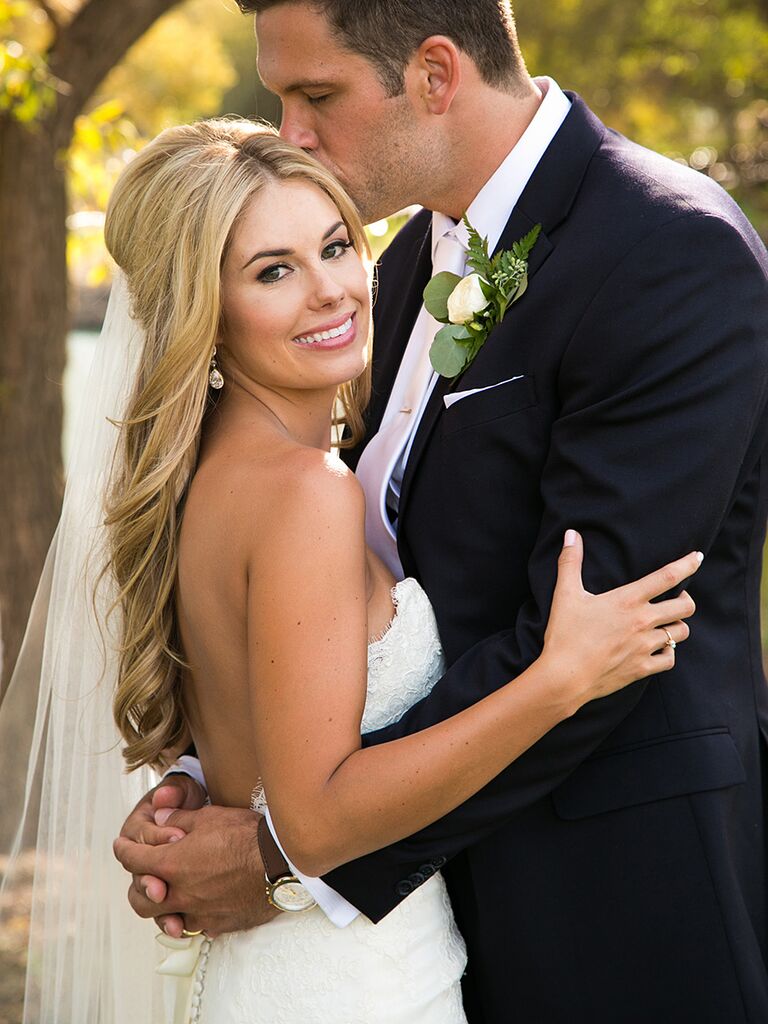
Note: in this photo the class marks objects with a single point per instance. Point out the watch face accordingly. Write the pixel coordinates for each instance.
(290, 895)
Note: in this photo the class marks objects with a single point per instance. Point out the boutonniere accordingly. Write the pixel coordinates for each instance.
(472, 306)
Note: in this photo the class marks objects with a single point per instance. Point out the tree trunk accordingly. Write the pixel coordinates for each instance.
(33, 300)
(90, 45)
(33, 325)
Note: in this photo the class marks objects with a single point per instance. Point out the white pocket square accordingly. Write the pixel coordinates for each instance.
(457, 396)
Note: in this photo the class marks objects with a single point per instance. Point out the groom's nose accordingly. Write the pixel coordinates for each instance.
(293, 130)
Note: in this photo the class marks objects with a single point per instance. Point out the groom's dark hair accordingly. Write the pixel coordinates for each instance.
(387, 32)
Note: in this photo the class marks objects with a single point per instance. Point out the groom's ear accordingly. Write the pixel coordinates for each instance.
(437, 69)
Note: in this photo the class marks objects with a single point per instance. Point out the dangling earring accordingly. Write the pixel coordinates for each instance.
(214, 376)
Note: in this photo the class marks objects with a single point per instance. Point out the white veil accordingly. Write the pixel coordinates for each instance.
(91, 959)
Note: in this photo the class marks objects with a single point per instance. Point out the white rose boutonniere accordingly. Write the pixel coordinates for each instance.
(472, 306)
(467, 299)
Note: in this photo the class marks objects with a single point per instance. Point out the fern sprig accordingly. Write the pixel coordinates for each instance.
(477, 252)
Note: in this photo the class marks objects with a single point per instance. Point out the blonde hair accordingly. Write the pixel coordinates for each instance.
(169, 224)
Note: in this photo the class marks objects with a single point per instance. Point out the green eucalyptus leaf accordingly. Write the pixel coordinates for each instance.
(462, 332)
(449, 353)
(437, 293)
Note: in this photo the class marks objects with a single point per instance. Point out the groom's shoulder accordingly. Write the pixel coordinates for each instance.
(408, 241)
(642, 186)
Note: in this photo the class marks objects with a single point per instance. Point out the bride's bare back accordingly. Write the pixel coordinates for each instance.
(246, 485)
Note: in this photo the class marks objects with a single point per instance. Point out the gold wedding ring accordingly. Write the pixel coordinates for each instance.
(672, 644)
(190, 935)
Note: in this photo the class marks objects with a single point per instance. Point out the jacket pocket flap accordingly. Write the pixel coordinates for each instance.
(490, 403)
(669, 767)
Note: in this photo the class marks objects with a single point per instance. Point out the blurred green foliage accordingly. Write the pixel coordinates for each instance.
(688, 78)
(181, 69)
(27, 89)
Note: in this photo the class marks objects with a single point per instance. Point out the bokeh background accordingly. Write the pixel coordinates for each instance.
(84, 84)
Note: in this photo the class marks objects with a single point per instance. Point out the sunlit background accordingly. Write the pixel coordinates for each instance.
(688, 78)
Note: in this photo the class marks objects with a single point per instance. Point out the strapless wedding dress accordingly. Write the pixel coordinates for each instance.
(300, 968)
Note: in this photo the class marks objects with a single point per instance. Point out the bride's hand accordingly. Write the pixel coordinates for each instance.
(599, 643)
(178, 791)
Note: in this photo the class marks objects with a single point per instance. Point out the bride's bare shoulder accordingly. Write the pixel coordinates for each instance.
(294, 473)
(314, 482)
(287, 490)
(309, 508)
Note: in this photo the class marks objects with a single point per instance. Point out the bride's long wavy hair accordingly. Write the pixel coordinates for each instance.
(169, 224)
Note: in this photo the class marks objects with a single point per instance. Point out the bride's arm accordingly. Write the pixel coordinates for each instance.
(332, 801)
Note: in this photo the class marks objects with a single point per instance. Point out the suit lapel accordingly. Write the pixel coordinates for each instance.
(546, 200)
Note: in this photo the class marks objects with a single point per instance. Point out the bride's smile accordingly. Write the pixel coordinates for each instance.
(295, 296)
(331, 336)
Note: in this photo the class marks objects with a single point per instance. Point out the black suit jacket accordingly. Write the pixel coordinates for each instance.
(616, 872)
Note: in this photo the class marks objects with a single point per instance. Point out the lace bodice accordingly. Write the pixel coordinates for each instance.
(406, 662)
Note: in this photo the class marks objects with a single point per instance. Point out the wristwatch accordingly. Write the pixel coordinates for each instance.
(284, 890)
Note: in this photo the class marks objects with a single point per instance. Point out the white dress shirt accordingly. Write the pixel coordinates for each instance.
(381, 475)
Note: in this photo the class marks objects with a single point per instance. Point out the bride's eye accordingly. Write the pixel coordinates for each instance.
(336, 249)
(274, 273)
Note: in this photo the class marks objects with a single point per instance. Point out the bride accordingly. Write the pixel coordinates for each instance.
(246, 614)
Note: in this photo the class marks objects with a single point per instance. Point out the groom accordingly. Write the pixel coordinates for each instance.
(617, 871)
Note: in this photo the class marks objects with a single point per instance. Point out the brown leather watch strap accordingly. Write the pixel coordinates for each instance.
(275, 864)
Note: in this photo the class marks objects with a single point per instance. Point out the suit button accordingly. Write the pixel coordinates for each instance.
(439, 862)
(427, 870)
(417, 879)
(404, 888)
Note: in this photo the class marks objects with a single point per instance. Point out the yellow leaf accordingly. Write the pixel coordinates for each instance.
(107, 112)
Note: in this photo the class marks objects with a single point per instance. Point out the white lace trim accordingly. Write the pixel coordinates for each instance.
(406, 661)
(394, 595)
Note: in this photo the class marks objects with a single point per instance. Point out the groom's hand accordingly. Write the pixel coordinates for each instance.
(214, 874)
